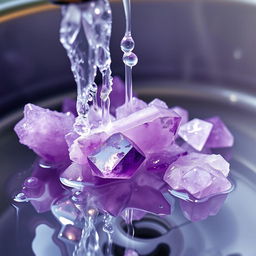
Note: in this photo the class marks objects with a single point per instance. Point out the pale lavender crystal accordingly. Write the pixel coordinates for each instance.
(44, 132)
(201, 211)
(195, 133)
(117, 158)
(220, 136)
(200, 175)
(183, 113)
(126, 110)
(158, 103)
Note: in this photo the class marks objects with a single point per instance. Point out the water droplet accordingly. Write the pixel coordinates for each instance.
(127, 44)
(130, 59)
(20, 198)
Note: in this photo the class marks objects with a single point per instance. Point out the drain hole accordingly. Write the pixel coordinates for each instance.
(144, 233)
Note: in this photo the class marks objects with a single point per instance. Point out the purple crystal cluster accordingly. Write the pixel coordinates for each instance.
(148, 151)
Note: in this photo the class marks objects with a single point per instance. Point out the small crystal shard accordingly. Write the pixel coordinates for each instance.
(44, 132)
(126, 110)
(183, 113)
(195, 133)
(220, 136)
(117, 158)
(158, 103)
(198, 174)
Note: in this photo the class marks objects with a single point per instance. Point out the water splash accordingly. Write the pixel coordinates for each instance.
(90, 22)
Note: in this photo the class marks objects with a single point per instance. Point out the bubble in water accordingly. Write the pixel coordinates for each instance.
(127, 44)
(130, 59)
(31, 182)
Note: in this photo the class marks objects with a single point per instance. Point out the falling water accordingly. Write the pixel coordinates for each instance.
(89, 22)
(129, 58)
(85, 34)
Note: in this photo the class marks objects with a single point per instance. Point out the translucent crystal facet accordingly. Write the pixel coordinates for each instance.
(220, 136)
(195, 133)
(183, 113)
(117, 158)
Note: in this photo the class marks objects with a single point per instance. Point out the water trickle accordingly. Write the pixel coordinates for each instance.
(89, 22)
(129, 58)
(128, 215)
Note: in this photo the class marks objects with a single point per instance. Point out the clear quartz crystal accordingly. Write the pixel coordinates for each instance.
(90, 22)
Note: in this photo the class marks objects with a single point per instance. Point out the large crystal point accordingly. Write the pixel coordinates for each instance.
(117, 158)
(195, 133)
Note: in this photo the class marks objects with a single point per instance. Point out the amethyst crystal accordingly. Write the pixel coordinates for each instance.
(183, 113)
(126, 110)
(117, 158)
(198, 174)
(158, 103)
(195, 133)
(44, 132)
(220, 136)
(156, 133)
(200, 211)
(160, 161)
